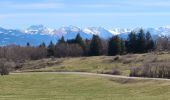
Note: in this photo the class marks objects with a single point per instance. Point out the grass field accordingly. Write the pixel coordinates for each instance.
(50, 86)
(95, 64)
(43, 86)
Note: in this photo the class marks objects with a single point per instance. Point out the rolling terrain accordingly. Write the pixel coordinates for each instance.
(36, 86)
(96, 64)
(80, 79)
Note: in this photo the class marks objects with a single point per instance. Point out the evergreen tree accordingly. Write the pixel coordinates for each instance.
(114, 47)
(28, 44)
(148, 36)
(80, 41)
(62, 40)
(131, 43)
(95, 46)
(122, 46)
(51, 49)
(141, 42)
(149, 42)
(78, 38)
(42, 45)
(71, 41)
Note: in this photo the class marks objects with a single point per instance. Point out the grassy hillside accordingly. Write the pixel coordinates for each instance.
(41, 86)
(95, 64)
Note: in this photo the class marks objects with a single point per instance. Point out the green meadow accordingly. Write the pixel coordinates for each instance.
(46, 86)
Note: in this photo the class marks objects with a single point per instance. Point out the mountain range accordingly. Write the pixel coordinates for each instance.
(36, 34)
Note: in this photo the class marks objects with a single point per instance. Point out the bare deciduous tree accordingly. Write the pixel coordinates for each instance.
(68, 50)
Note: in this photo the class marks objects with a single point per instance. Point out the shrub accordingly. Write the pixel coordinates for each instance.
(135, 71)
(116, 58)
(153, 70)
(127, 61)
(114, 71)
(3, 69)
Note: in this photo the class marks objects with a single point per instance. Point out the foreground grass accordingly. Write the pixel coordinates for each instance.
(95, 64)
(43, 86)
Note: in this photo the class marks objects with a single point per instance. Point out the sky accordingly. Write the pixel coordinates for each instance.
(84, 13)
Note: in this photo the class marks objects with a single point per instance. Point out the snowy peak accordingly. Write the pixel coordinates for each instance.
(39, 29)
(36, 34)
(93, 30)
(165, 31)
(36, 27)
(71, 31)
(102, 32)
(117, 31)
(160, 31)
(66, 30)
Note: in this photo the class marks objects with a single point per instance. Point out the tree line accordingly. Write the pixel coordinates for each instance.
(137, 42)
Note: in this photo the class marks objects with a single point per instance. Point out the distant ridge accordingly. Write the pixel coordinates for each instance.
(36, 34)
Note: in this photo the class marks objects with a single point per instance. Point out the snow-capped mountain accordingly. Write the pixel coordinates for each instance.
(98, 31)
(117, 31)
(37, 34)
(163, 30)
(39, 29)
(19, 37)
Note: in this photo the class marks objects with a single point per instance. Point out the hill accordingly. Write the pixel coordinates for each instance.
(100, 64)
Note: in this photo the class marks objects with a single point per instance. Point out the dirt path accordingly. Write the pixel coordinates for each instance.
(102, 75)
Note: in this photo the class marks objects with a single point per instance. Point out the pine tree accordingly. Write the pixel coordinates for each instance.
(79, 41)
(122, 46)
(28, 44)
(149, 42)
(114, 47)
(62, 40)
(95, 46)
(42, 45)
(131, 43)
(51, 49)
(141, 42)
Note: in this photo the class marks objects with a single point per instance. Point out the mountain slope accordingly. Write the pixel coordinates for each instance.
(36, 34)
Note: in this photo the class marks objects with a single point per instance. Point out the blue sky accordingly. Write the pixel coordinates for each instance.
(85, 13)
